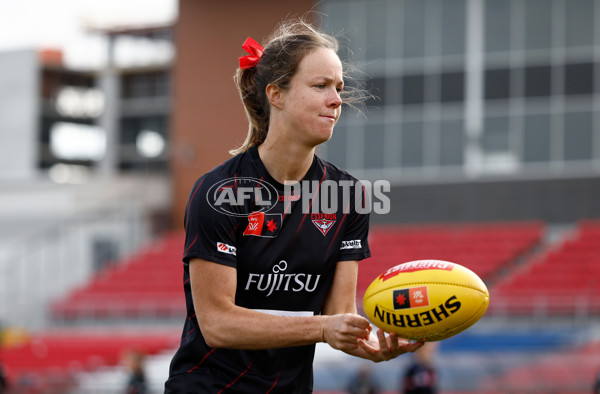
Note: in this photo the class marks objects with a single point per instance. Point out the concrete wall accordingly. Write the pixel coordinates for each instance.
(19, 81)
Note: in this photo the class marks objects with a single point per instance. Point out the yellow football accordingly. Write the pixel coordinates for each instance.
(426, 300)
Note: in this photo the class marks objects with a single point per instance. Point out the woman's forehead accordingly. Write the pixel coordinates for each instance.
(321, 62)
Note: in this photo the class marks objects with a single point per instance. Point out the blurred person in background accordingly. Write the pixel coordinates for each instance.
(136, 381)
(240, 336)
(3, 382)
(421, 376)
(363, 382)
(596, 389)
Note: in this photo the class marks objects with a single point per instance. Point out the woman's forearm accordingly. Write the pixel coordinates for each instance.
(241, 328)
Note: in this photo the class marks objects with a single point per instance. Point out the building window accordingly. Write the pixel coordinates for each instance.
(537, 130)
(452, 87)
(411, 148)
(453, 22)
(537, 64)
(498, 25)
(538, 24)
(377, 88)
(538, 81)
(452, 142)
(578, 140)
(413, 89)
(579, 23)
(376, 33)
(337, 146)
(579, 78)
(145, 85)
(393, 94)
(374, 142)
(413, 37)
(497, 84)
(53, 81)
(496, 134)
(143, 143)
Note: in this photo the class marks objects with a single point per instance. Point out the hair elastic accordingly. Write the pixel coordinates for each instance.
(255, 51)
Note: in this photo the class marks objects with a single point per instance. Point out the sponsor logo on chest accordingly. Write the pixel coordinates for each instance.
(280, 281)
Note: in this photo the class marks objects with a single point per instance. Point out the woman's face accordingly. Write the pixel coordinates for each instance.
(312, 104)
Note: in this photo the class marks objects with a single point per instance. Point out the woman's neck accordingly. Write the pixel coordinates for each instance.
(285, 161)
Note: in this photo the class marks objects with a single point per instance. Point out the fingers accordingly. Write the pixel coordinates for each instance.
(412, 346)
(388, 346)
(344, 331)
(409, 346)
(392, 346)
(353, 327)
(371, 349)
(348, 332)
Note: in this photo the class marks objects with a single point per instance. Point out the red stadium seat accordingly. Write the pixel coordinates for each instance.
(566, 371)
(61, 354)
(563, 280)
(148, 283)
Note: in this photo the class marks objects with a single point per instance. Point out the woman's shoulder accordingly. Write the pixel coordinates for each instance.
(334, 172)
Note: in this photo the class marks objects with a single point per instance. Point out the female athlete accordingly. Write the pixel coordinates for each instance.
(271, 270)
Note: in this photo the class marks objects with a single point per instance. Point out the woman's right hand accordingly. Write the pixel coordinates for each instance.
(343, 331)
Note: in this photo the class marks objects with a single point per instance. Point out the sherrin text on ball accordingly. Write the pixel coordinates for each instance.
(426, 300)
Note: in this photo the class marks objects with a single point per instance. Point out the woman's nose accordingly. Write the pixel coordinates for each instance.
(335, 100)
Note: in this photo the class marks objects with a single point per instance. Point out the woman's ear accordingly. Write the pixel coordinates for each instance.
(275, 96)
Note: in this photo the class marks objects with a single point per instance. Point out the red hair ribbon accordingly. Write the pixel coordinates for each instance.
(255, 51)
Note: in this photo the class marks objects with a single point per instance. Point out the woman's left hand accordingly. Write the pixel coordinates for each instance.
(386, 347)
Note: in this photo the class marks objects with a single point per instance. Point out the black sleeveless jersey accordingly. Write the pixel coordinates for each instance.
(284, 244)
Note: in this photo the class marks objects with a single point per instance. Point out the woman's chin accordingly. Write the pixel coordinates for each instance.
(323, 136)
